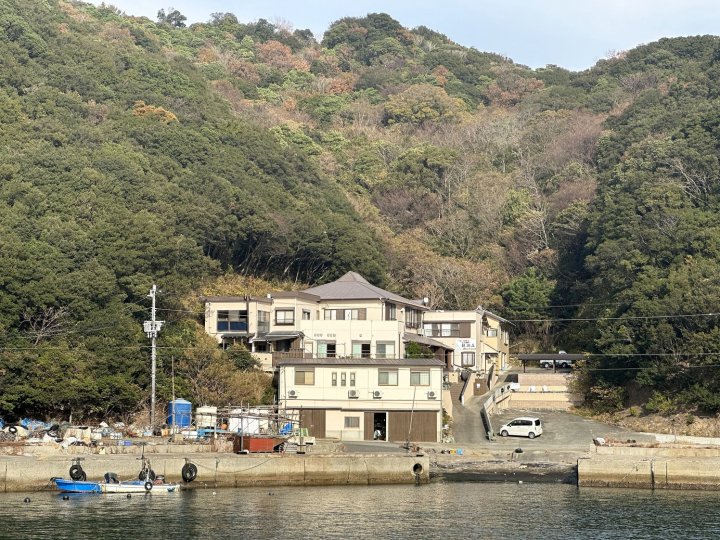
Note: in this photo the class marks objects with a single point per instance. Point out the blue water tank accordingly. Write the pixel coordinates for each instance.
(180, 413)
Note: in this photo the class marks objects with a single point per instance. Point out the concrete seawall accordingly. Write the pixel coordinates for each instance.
(651, 468)
(30, 473)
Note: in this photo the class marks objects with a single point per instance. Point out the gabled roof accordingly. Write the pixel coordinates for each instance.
(490, 314)
(352, 286)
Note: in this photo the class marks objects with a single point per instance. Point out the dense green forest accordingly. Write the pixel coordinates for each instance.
(581, 206)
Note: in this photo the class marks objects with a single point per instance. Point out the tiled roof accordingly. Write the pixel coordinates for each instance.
(352, 286)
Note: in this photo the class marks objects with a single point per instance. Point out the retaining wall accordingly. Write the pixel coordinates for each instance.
(30, 473)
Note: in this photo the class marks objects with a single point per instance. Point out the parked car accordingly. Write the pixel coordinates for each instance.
(522, 427)
(562, 363)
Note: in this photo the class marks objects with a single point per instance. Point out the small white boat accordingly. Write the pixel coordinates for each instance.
(138, 486)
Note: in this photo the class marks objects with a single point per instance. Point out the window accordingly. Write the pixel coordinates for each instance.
(305, 314)
(326, 349)
(467, 359)
(232, 320)
(390, 312)
(442, 330)
(412, 318)
(352, 378)
(360, 350)
(419, 378)
(352, 422)
(491, 332)
(343, 379)
(334, 378)
(385, 350)
(304, 375)
(387, 377)
(284, 316)
(358, 314)
(263, 321)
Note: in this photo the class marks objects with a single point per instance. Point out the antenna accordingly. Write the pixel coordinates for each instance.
(152, 328)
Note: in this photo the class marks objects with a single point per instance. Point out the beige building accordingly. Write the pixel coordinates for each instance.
(340, 351)
(390, 399)
(480, 339)
(347, 318)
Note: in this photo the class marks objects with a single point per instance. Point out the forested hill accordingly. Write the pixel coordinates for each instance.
(139, 152)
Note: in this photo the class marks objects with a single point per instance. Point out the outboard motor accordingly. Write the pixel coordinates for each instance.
(111, 478)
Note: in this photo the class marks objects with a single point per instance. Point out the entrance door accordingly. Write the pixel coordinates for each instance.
(380, 426)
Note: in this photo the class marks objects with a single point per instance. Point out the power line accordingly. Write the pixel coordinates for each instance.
(636, 317)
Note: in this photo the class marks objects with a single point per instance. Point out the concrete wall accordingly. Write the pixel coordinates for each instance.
(651, 473)
(29, 473)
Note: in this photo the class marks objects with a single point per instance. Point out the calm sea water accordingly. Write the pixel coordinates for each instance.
(439, 510)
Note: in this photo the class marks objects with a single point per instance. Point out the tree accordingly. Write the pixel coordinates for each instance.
(422, 104)
(172, 18)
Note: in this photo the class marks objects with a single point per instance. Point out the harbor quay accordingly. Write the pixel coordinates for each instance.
(24, 473)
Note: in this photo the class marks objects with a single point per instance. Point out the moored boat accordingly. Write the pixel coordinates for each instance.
(77, 486)
(138, 486)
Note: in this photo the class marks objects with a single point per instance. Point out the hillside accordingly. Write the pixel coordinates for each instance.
(139, 152)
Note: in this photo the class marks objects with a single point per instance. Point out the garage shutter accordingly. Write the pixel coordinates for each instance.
(424, 426)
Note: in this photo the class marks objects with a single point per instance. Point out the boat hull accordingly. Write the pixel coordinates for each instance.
(138, 487)
(77, 486)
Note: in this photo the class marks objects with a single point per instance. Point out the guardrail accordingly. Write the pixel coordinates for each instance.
(501, 393)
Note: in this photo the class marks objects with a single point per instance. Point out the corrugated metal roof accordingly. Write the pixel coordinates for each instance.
(352, 286)
(391, 362)
(426, 341)
(279, 335)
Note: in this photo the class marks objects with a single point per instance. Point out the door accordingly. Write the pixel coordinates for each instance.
(314, 421)
(380, 426)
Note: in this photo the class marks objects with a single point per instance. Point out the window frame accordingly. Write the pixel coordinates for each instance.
(389, 373)
(304, 381)
(467, 354)
(420, 373)
(284, 322)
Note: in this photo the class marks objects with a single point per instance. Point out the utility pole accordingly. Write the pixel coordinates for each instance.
(152, 328)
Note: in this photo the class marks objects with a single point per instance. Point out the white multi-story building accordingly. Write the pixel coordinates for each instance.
(341, 354)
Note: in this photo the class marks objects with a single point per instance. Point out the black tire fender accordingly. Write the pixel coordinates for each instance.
(77, 473)
(12, 429)
(148, 485)
(189, 472)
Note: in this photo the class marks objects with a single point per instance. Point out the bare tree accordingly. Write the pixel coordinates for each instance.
(45, 322)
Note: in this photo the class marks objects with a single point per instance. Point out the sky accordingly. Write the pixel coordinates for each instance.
(573, 34)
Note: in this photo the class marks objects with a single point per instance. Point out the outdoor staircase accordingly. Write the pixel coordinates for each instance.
(456, 390)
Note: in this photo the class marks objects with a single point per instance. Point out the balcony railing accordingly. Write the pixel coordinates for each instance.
(291, 354)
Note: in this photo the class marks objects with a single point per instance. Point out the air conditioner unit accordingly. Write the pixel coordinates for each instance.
(377, 394)
(292, 393)
(432, 395)
(353, 394)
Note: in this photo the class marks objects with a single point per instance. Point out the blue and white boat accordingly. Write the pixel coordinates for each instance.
(77, 486)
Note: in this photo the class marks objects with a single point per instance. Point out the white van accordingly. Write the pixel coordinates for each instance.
(522, 427)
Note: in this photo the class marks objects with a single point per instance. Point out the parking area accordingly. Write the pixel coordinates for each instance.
(561, 430)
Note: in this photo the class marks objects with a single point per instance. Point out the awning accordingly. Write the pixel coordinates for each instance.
(422, 340)
(278, 335)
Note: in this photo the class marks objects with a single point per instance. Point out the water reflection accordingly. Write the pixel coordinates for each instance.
(452, 510)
